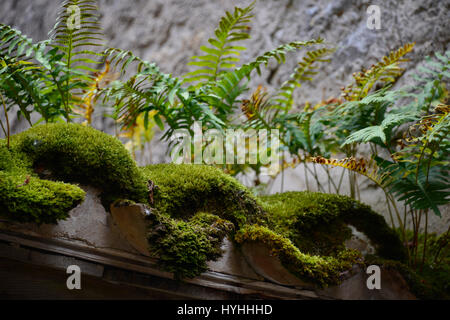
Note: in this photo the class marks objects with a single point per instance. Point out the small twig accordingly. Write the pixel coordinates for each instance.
(151, 187)
(7, 132)
(27, 181)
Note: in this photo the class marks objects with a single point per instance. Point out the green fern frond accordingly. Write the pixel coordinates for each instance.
(148, 89)
(370, 134)
(304, 72)
(385, 71)
(279, 54)
(222, 52)
(223, 93)
(13, 44)
(76, 42)
(124, 58)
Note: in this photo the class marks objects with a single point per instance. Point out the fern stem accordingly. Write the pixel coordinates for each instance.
(425, 240)
(389, 209)
(306, 173)
(319, 185)
(340, 180)
(7, 132)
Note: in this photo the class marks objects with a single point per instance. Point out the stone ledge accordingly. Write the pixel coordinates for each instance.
(138, 271)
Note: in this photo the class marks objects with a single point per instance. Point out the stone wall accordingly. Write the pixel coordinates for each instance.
(168, 32)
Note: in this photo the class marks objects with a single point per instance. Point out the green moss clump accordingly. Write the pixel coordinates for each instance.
(82, 154)
(38, 201)
(182, 190)
(26, 198)
(305, 230)
(72, 153)
(185, 237)
(184, 247)
(321, 270)
(317, 223)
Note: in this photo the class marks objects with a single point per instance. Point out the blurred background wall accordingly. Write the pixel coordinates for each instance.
(168, 32)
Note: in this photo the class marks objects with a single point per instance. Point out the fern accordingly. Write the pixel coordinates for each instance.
(148, 90)
(304, 72)
(222, 52)
(370, 134)
(124, 58)
(75, 45)
(385, 71)
(368, 169)
(223, 93)
(16, 46)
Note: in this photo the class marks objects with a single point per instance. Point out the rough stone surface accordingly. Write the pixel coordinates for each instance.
(89, 223)
(124, 232)
(393, 287)
(354, 287)
(233, 262)
(259, 257)
(360, 242)
(168, 32)
(131, 223)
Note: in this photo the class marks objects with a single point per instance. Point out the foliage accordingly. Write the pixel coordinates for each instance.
(221, 54)
(75, 153)
(417, 171)
(315, 269)
(62, 79)
(184, 247)
(49, 76)
(185, 189)
(317, 223)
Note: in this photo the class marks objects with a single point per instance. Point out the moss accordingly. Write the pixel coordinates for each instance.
(184, 247)
(38, 201)
(182, 190)
(317, 223)
(185, 237)
(195, 206)
(306, 230)
(72, 153)
(76, 153)
(320, 270)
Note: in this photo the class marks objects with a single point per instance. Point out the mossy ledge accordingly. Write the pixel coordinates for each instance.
(317, 223)
(184, 189)
(72, 153)
(194, 206)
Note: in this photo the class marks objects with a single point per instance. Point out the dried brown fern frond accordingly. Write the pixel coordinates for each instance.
(385, 71)
(101, 80)
(368, 169)
(258, 102)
